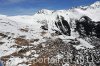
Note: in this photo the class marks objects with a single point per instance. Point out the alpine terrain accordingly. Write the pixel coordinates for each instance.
(52, 38)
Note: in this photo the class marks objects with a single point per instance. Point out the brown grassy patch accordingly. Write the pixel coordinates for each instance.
(5, 58)
(21, 41)
(43, 33)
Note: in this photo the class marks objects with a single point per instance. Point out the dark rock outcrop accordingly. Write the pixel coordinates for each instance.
(63, 26)
(86, 27)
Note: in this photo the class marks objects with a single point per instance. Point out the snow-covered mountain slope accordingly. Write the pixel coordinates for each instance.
(96, 4)
(50, 16)
(16, 36)
(23, 37)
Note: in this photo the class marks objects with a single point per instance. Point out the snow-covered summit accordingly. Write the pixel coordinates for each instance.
(96, 4)
(45, 11)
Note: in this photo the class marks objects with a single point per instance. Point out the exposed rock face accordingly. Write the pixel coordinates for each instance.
(45, 27)
(97, 30)
(63, 26)
(24, 29)
(86, 27)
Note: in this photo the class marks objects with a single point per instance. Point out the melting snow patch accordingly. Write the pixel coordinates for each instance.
(83, 44)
